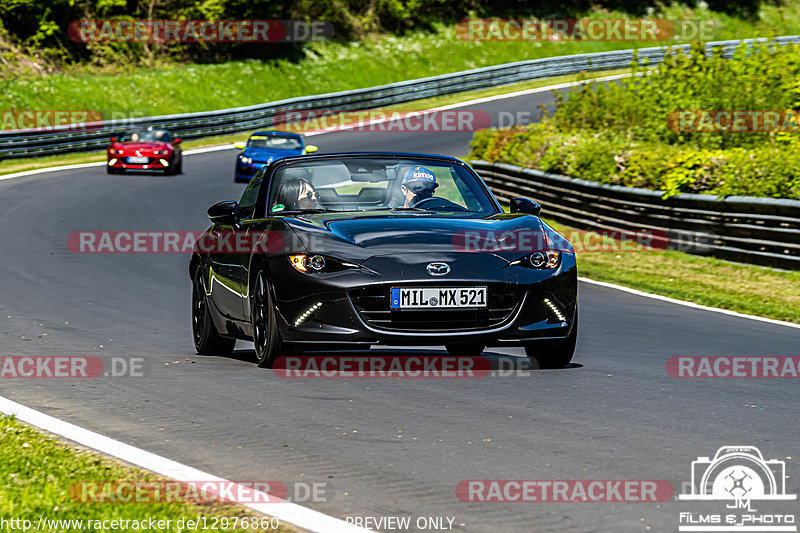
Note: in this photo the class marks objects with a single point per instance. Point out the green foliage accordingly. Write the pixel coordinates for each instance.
(767, 170)
(759, 77)
(620, 133)
(325, 67)
(41, 477)
(40, 28)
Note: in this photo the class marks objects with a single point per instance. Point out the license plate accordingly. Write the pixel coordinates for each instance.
(138, 160)
(438, 297)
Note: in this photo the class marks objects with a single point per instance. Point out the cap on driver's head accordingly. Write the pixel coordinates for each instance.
(419, 174)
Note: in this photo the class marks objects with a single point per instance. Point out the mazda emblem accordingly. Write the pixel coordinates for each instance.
(438, 269)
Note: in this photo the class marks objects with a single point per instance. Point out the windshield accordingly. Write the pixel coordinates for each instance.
(275, 142)
(367, 184)
(146, 136)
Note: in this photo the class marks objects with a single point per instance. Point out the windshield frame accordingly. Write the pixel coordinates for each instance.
(299, 161)
(126, 137)
(299, 140)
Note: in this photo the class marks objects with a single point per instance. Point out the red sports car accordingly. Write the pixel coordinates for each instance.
(151, 149)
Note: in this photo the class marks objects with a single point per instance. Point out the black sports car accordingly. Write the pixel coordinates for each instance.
(334, 250)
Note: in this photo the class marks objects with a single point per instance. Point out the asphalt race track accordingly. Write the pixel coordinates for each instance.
(383, 447)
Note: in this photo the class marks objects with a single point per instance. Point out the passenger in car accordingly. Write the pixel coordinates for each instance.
(296, 194)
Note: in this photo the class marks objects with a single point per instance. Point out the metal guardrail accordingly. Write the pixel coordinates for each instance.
(194, 125)
(761, 231)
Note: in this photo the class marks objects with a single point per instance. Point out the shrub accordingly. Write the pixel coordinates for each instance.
(618, 133)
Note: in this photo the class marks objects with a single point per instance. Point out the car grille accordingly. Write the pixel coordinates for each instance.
(372, 305)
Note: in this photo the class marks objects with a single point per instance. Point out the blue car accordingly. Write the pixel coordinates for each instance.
(264, 147)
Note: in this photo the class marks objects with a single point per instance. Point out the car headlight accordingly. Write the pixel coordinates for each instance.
(313, 263)
(543, 260)
(245, 160)
(160, 152)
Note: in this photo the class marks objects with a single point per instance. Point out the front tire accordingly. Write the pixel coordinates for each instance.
(207, 340)
(551, 355)
(266, 337)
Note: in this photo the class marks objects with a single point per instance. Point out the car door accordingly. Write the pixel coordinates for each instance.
(243, 237)
(223, 271)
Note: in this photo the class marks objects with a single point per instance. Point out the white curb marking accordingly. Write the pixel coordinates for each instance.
(379, 120)
(103, 163)
(338, 128)
(285, 511)
(687, 304)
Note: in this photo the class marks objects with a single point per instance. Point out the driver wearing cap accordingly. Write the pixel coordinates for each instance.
(418, 184)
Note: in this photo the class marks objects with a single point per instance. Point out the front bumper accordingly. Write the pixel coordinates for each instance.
(351, 307)
(154, 163)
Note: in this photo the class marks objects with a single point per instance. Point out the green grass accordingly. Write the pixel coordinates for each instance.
(11, 166)
(38, 471)
(331, 66)
(704, 280)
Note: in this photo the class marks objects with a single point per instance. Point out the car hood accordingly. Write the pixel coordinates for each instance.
(263, 154)
(360, 236)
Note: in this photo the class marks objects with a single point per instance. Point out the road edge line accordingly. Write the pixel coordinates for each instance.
(686, 303)
(216, 148)
(45, 170)
(501, 96)
(290, 513)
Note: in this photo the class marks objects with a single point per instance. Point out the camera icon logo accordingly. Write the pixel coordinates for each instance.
(738, 473)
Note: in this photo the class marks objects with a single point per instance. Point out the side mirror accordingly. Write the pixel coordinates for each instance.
(176, 141)
(311, 148)
(525, 205)
(113, 139)
(224, 213)
(240, 145)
